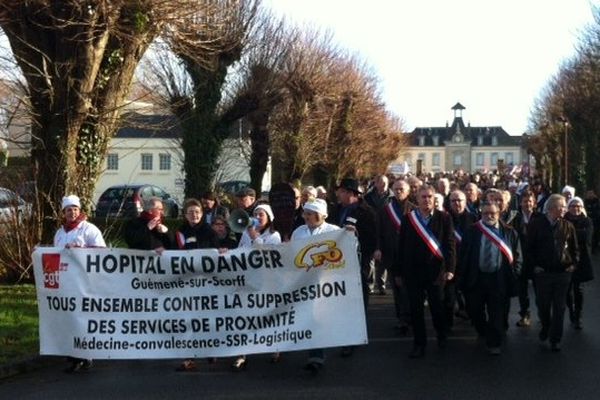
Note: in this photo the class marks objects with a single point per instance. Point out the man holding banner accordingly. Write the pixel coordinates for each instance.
(75, 232)
(490, 261)
(427, 260)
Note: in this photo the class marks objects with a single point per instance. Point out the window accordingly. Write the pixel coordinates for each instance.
(508, 157)
(164, 162)
(112, 162)
(479, 159)
(494, 160)
(421, 156)
(479, 140)
(421, 140)
(436, 140)
(435, 159)
(494, 140)
(457, 159)
(146, 162)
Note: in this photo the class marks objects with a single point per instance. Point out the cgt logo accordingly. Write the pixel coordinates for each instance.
(52, 266)
(318, 255)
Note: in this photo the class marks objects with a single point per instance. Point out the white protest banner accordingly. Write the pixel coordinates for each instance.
(132, 304)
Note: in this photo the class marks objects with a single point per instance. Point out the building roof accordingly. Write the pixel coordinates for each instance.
(468, 133)
(143, 126)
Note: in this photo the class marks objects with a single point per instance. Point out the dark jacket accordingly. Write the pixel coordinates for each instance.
(584, 229)
(376, 200)
(200, 236)
(462, 222)
(520, 226)
(364, 218)
(416, 261)
(554, 249)
(138, 236)
(216, 211)
(469, 259)
(387, 236)
(474, 208)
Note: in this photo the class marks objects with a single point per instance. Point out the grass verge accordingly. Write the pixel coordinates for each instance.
(18, 323)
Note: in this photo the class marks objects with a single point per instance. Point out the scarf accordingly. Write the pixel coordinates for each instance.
(69, 226)
(146, 216)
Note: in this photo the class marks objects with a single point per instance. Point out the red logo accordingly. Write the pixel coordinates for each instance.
(51, 265)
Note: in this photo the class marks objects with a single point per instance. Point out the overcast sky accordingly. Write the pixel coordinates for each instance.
(493, 56)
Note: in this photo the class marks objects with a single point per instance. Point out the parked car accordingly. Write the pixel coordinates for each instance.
(232, 187)
(127, 201)
(13, 207)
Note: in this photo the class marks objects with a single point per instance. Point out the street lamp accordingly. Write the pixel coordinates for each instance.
(565, 123)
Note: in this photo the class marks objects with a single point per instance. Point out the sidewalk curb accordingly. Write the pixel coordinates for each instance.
(27, 365)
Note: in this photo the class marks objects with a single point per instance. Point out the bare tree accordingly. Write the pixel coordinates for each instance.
(206, 45)
(78, 59)
(331, 118)
(565, 118)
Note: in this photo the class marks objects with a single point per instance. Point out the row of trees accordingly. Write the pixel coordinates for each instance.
(310, 105)
(566, 118)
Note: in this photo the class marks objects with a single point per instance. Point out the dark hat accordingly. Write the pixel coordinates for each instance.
(247, 191)
(350, 184)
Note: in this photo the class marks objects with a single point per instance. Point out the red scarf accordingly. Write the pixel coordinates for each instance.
(69, 226)
(146, 216)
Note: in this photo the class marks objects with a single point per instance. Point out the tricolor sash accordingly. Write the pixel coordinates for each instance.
(496, 239)
(457, 235)
(425, 234)
(393, 211)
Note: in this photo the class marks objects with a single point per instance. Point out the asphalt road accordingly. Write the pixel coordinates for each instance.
(380, 370)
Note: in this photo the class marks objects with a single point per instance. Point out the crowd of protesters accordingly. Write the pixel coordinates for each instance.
(461, 244)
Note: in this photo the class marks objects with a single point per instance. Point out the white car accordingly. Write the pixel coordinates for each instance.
(13, 207)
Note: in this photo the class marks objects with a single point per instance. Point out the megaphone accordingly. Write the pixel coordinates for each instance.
(239, 221)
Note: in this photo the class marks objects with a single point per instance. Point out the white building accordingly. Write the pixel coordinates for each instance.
(148, 151)
(460, 146)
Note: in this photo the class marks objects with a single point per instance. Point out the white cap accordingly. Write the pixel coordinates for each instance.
(267, 209)
(316, 205)
(568, 189)
(70, 200)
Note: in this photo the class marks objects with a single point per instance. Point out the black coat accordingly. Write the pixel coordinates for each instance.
(520, 226)
(387, 236)
(138, 236)
(200, 236)
(584, 229)
(552, 249)
(416, 261)
(469, 259)
(363, 217)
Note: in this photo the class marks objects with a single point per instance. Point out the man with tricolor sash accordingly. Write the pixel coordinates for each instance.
(389, 222)
(490, 260)
(427, 261)
(462, 220)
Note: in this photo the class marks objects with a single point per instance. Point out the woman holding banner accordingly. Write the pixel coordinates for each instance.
(194, 234)
(75, 232)
(262, 232)
(314, 214)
